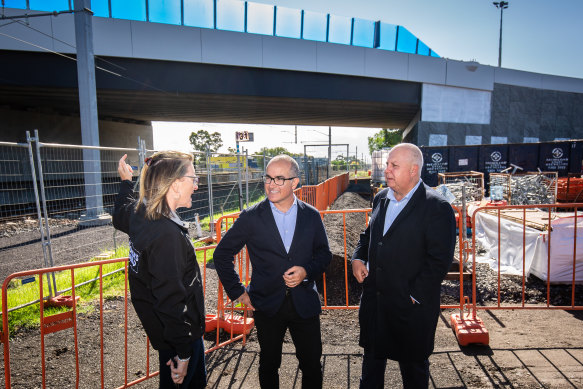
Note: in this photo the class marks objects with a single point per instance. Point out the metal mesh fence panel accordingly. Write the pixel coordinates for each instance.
(20, 239)
(222, 172)
(225, 181)
(77, 186)
(17, 198)
(80, 185)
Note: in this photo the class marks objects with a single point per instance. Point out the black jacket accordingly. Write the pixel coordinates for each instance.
(164, 276)
(256, 228)
(411, 259)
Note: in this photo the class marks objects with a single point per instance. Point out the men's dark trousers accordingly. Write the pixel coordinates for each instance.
(305, 334)
(196, 373)
(415, 375)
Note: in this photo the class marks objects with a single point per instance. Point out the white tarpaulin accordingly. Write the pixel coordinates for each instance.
(562, 250)
(511, 237)
(535, 254)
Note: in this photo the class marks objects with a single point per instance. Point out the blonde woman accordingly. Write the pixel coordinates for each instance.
(164, 276)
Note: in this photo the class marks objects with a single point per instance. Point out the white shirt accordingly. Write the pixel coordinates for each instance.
(395, 207)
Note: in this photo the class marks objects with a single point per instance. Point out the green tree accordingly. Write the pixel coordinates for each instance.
(384, 138)
(272, 152)
(339, 163)
(202, 138)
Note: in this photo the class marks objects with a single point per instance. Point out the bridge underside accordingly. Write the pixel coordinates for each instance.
(137, 90)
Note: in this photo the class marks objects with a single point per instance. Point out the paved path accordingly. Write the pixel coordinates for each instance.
(528, 349)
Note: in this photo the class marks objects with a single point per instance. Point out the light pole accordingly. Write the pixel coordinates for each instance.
(501, 5)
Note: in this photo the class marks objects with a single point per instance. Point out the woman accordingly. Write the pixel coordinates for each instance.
(164, 277)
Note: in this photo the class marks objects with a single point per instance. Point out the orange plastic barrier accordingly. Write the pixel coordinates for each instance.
(570, 189)
(321, 196)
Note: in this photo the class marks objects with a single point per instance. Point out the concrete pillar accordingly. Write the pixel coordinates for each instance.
(88, 110)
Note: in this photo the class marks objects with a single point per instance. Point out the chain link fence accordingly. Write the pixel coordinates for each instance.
(56, 200)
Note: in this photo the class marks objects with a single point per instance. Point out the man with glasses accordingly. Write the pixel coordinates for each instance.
(288, 249)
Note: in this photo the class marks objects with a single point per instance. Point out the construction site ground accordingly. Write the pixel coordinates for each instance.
(527, 349)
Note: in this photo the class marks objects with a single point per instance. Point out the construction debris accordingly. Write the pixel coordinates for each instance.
(532, 189)
(471, 182)
(526, 189)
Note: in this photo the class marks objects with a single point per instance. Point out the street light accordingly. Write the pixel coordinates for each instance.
(501, 5)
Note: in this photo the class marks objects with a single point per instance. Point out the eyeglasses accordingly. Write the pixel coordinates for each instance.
(279, 181)
(194, 179)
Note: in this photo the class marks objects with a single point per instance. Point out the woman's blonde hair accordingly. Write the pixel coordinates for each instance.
(158, 175)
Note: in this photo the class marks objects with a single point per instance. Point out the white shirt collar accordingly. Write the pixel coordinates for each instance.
(273, 207)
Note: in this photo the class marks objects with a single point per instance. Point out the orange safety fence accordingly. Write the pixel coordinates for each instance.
(524, 240)
(236, 321)
(81, 332)
(244, 267)
(233, 316)
(569, 189)
(466, 324)
(548, 222)
(321, 196)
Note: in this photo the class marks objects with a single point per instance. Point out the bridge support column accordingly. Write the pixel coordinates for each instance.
(88, 112)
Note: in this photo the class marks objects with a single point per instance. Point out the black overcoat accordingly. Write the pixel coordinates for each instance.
(410, 260)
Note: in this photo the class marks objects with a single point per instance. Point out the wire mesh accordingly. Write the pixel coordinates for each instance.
(80, 186)
(77, 186)
(21, 245)
(17, 198)
(378, 165)
(455, 181)
(528, 188)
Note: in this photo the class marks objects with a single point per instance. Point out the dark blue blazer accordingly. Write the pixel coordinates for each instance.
(411, 259)
(256, 228)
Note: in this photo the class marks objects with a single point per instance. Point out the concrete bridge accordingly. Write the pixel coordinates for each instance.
(327, 71)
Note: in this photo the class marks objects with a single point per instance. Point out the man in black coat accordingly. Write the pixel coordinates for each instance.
(288, 249)
(401, 259)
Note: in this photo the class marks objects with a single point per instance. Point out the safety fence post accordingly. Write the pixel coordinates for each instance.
(467, 326)
(238, 326)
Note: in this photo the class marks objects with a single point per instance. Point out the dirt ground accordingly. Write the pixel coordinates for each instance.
(527, 348)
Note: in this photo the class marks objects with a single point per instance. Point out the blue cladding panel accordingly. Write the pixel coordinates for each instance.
(260, 18)
(406, 42)
(129, 9)
(164, 11)
(422, 49)
(15, 4)
(315, 26)
(363, 33)
(100, 8)
(340, 27)
(49, 5)
(288, 22)
(231, 15)
(199, 13)
(388, 36)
